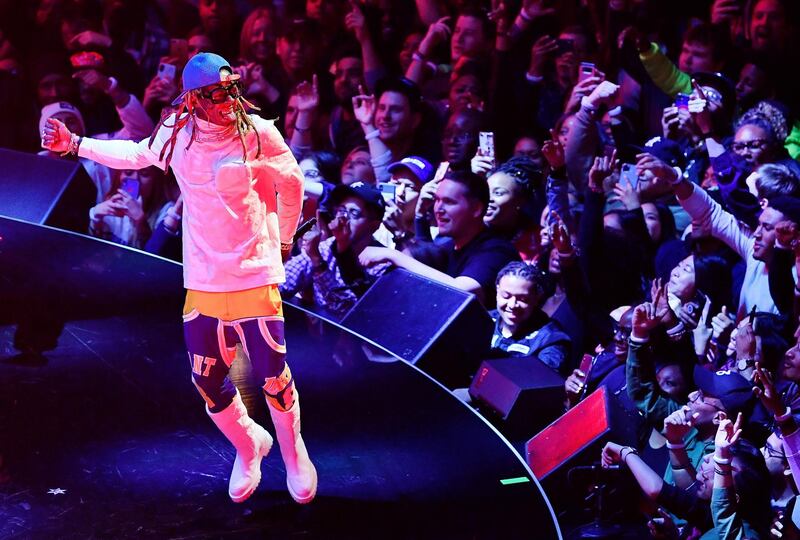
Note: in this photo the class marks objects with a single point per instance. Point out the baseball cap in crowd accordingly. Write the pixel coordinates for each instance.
(734, 391)
(786, 205)
(371, 196)
(666, 150)
(419, 167)
(722, 84)
(203, 69)
(61, 108)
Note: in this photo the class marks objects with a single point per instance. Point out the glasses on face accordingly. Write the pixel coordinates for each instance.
(755, 144)
(220, 94)
(458, 136)
(697, 395)
(350, 213)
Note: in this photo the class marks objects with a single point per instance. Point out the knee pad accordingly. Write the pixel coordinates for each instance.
(279, 391)
(208, 358)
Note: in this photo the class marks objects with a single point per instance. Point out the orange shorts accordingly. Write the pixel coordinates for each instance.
(230, 306)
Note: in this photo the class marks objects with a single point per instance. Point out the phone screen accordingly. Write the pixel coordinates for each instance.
(628, 174)
(682, 101)
(131, 186)
(389, 191)
(586, 71)
(166, 71)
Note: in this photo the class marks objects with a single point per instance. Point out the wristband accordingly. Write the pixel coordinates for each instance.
(372, 135)
(722, 473)
(630, 451)
(535, 79)
(785, 416)
(678, 176)
(74, 144)
(721, 461)
(675, 446)
(679, 467)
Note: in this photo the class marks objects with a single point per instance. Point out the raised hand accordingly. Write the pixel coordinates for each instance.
(659, 169)
(582, 89)
(678, 424)
(535, 9)
(611, 454)
(307, 95)
(728, 433)
(700, 110)
(356, 22)
(766, 392)
(109, 207)
(553, 151)
(426, 197)
(574, 383)
(130, 207)
(544, 48)
(629, 197)
(55, 136)
(93, 79)
(559, 235)
(310, 245)
(604, 93)
(364, 108)
(723, 325)
(481, 165)
(438, 32)
(702, 331)
(644, 319)
(602, 168)
(724, 11)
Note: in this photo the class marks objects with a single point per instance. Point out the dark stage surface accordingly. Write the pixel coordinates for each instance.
(107, 437)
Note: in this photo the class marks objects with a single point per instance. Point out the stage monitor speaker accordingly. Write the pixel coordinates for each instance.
(580, 430)
(522, 392)
(442, 330)
(46, 191)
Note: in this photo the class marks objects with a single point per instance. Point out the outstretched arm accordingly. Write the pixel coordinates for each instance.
(115, 154)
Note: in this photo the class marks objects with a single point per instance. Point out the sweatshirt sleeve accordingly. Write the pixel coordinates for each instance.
(122, 154)
(706, 212)
(664, 73)
(286, 175)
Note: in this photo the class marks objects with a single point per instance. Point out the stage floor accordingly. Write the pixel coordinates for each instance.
(107, 438)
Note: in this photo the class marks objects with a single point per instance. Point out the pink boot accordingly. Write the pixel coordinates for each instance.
(301, 476)
(252, 443)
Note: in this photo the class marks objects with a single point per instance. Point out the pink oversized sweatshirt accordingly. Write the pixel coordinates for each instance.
(236, 213)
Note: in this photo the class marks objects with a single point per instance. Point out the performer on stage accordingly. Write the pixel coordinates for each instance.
(242, 193)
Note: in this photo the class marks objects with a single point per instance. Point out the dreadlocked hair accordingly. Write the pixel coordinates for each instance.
(187, 111)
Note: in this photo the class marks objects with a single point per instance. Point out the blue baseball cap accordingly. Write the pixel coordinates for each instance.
(419, 167)
(203, 69)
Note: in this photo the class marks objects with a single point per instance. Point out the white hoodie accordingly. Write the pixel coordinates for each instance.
(235, 213)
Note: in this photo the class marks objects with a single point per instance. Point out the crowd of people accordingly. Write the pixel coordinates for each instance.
(616, 178)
